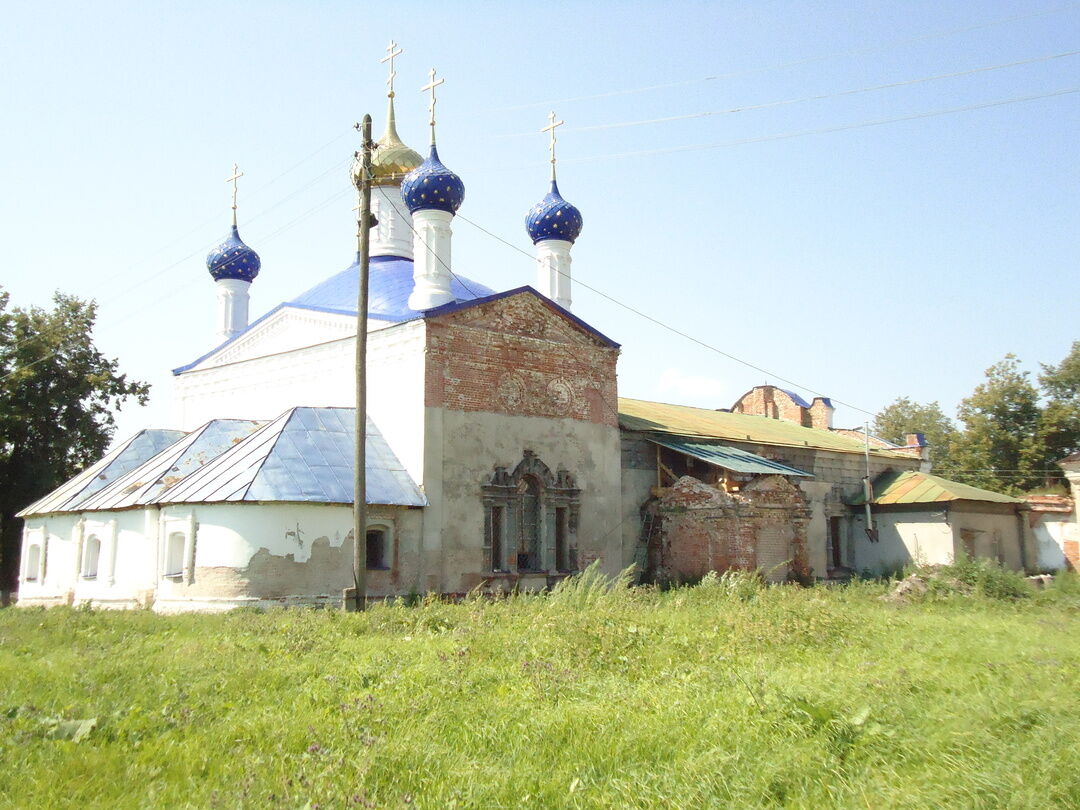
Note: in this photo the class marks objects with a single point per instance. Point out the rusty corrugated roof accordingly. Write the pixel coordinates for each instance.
(702, 423)
(919, 487)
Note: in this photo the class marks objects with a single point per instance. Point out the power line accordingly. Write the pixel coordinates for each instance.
(820, 97)
(825, 130)
(169, 293)
(794, 63)
(209, 221)
(670, 328)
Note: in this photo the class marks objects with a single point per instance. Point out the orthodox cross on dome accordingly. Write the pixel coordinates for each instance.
(550, 128)
(392, 50)
(236, 175)
(431, 104)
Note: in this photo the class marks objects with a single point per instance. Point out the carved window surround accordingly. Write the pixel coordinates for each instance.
(531, 518)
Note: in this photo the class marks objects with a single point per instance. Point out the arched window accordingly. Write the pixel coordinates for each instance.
(91, 553)
(530, 518)
(528, 558)
(174, 555)
(33, 563)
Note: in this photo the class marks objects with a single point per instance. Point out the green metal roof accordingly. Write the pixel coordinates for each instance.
(730, 458)
(918, 487)
(702, 423)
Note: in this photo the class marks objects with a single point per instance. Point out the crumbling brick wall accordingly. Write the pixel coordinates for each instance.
(702, 529)
(775, 403)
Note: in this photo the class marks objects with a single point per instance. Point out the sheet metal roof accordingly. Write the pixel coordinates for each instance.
(119, 461)
(919, 487)
(145, 483)
(731, 458)
(702, 423)
(389, 286)
(305, 455)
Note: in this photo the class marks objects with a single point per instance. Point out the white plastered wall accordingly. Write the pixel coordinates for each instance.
(1049, 534)
(935, 536)
(220, 542)
(996, 529)
(281, 553)
(904, 538)
(322, 375)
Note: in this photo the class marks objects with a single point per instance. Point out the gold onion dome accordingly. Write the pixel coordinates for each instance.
(391, 160)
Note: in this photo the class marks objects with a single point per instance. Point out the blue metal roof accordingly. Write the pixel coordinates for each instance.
(305, 455)
(802, 403)
(147, 481)
(119, 461)
(390, 282)
(731, 458)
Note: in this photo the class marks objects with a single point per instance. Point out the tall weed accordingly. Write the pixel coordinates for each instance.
(985, 577)
(590, 587)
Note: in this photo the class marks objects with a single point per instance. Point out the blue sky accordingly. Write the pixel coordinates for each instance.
(870, 259)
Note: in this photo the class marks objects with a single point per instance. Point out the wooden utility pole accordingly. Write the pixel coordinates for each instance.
(363, 233)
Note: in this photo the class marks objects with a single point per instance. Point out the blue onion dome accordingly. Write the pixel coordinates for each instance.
(432, 187)
(233, 259)
(553, 218)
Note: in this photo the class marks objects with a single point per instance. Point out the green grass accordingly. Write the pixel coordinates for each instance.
(726, 694)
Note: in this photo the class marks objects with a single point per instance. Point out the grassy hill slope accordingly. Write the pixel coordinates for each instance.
(722, 695)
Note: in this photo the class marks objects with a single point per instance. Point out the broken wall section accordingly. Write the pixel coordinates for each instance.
(695, 528)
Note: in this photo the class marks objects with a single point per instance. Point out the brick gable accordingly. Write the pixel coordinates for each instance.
(518, 356)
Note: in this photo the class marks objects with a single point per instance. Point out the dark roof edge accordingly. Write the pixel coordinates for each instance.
(457, 306)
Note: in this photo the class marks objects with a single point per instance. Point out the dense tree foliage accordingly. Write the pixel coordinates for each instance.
(1010, 432)
(999, 446)
(58, 396)
(1059, 425)
(905, 416)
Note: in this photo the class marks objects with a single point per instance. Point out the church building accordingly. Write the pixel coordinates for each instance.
(499, 455)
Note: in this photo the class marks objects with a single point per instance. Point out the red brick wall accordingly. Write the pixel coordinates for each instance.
(770, 401)
(518, 356)
(704, 529)
(820, 415)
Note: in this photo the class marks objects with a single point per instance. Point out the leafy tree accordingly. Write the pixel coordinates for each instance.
(1000, 447)
(907, 416)
(1059, 424)
(58, 395)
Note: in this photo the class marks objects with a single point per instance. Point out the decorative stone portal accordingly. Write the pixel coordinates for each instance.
(531, 518)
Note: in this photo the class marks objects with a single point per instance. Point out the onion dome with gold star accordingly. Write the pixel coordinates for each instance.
(432, 186)
(392, 159)
(553, 218)
(233, 259)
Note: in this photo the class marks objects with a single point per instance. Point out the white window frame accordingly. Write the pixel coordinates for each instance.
(36, 537)
(172, 563)
(91, 557)
(186, 528)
